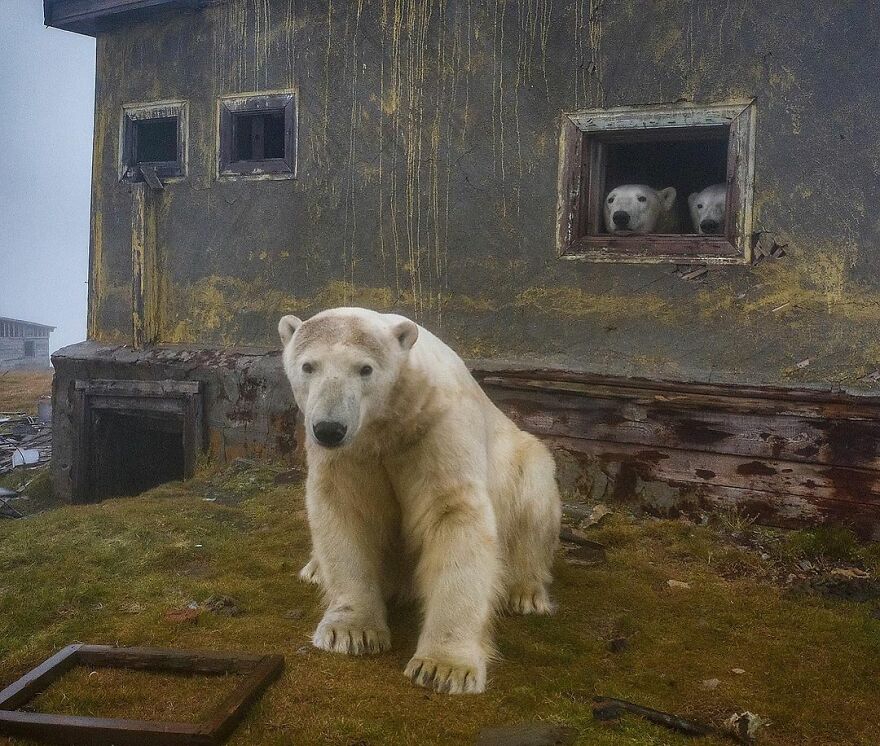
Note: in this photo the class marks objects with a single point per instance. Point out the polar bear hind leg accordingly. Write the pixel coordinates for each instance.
(534, 531)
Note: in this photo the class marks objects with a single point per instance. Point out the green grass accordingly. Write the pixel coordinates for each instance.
(109, 574)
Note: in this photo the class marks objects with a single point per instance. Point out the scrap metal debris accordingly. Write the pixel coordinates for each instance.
(24, 441)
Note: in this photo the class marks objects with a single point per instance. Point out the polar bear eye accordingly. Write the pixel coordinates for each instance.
(610, 200)
(308, 368)
(642, 198)
(700, 207)
(366, 370)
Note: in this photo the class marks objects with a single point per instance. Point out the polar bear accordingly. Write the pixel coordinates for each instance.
(637, 208)
(708, 208)
(416, 483)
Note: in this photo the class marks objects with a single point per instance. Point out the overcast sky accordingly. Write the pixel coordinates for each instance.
(47, 92)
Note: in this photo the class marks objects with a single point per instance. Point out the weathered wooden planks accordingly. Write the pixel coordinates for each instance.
(790, 457)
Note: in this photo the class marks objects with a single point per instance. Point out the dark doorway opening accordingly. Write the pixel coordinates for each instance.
(135, 435)
(134, 452)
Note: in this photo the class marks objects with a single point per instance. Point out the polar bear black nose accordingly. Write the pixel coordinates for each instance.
(329, 433)
(709, 226)
(620, 218)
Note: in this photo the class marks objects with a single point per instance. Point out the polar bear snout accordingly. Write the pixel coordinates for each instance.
(709, 226)
(620, 218)
(329, 434)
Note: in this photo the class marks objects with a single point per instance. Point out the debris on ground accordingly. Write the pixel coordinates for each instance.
(579, 550)
(223, 605)
(618, 645)
(24, 441)
(745, 726)
(608, 708)
(677, 584)
(187, 615)
(710, 684)
(527, 734)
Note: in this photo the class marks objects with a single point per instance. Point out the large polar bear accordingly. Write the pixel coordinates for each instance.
(416, 483)
(638, 208)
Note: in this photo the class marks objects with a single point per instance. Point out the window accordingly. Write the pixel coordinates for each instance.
(609, 156)
(153, 135)
(258, 136)
(30, 348)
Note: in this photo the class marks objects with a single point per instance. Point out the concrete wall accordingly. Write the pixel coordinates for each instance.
(12, 353)
(426, 184)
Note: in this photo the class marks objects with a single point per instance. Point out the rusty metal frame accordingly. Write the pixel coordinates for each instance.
(259, 672)
(581, 178)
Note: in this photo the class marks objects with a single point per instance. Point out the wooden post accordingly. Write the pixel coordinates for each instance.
(144, 266)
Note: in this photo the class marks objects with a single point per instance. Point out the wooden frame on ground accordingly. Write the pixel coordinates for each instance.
(583, 139)
(259, 671)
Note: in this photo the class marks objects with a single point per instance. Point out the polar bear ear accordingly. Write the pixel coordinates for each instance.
(406, 332)
(286, 327)
(667, 197)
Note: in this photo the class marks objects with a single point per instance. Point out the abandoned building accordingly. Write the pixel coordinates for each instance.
(450, 161)
(24, 345)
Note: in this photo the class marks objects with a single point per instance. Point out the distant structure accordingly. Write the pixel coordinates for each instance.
(24, 345)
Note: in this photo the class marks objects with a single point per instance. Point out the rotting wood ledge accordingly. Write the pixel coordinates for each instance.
(790, 457)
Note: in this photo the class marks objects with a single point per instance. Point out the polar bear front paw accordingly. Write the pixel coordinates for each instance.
(447, 676)
(310, 573)
(529, 599)
(350, 637)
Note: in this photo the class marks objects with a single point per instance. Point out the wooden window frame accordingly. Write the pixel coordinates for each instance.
(258, 671)
(255, 103)
(581, 180)
(129, 170)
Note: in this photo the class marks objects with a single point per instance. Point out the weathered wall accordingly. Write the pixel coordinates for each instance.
(246, 401)
(427, 165)
(12, 354)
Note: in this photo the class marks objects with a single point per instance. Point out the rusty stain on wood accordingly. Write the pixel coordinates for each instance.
(790, 457)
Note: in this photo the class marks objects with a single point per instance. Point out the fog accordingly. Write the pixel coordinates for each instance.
(46, 114)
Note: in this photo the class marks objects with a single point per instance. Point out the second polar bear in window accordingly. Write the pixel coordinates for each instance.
(708, 208)
(637, 208)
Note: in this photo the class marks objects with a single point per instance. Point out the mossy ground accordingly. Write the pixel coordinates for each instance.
(111, 573)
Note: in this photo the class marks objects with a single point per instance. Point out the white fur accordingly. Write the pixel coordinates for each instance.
(649, 210)
(434, 491)
(710, 204)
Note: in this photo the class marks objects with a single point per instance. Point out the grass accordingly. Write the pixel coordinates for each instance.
(20, 390)
(116, 572)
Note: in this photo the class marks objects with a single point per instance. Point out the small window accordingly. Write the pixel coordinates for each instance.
(30, 348)
(660, 184)
(258, 136)
(153, 135)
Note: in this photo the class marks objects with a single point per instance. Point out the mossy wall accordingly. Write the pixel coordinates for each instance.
(426, 182)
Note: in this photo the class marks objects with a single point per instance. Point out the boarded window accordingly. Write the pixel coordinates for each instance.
(30, 349)
(631, 180)
(258, 136)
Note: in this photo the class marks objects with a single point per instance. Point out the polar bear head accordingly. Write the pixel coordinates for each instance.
(636, 208)
(707, 209)
(342, 365)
